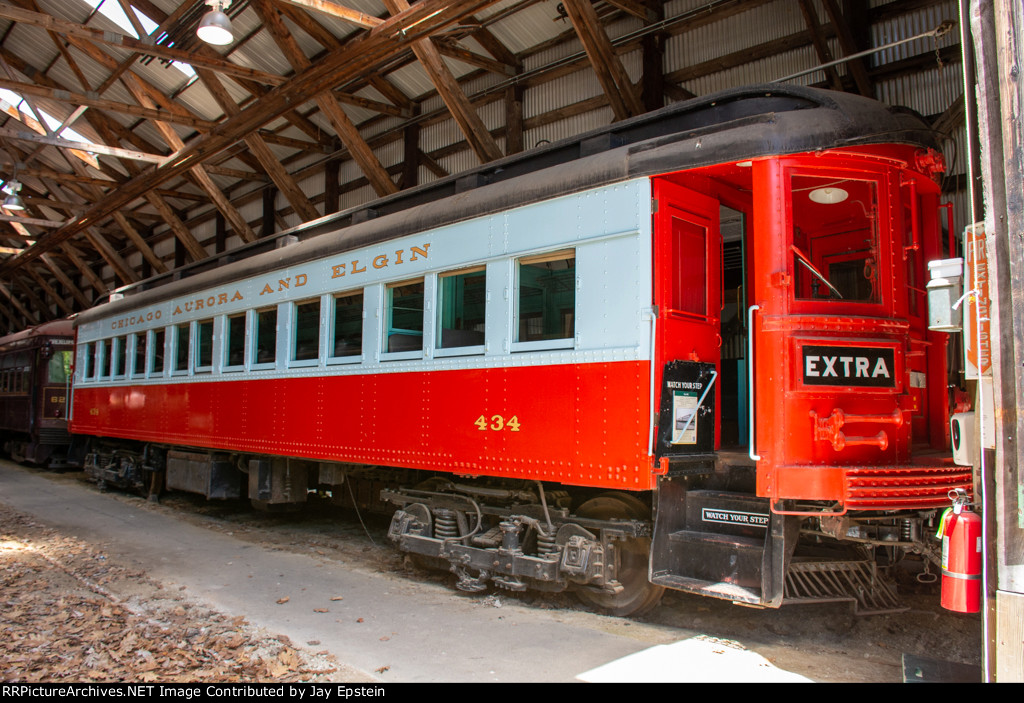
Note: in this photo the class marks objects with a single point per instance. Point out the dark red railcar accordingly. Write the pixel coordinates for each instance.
(35, 389)
(687, 351)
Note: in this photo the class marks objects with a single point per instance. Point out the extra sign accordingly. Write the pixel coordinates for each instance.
(869, 367)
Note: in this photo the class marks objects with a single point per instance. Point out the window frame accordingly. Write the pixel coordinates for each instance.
(197, 347)
(542, 344)
(254, 333)
(226, 366)
(331, 326)
(464, 350)
(386, 332)
(119, 354)
(176, 350)
(294, 333)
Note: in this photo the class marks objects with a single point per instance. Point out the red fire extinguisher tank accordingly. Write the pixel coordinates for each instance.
(961, 557)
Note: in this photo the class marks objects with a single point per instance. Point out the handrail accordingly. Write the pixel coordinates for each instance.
(750, 375)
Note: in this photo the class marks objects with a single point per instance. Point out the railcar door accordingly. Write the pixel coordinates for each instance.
(688, 283)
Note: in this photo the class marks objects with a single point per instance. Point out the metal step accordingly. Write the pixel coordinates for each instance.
(727, 591)
(856, 582)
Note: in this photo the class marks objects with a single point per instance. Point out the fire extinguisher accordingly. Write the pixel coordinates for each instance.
(960, 531)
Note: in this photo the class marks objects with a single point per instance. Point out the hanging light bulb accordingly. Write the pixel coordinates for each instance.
(215, 27)
(13, 200)
(829, 195)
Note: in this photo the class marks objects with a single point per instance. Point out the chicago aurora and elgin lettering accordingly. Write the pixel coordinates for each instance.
(214, 300)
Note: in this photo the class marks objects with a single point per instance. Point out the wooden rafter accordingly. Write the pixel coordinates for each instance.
(148, 48)
(334, 9)
(72, 98)
(810, 14)
(7, 293)
(609, 70)
(849, 46)
(48, 290)
(328, 104)
(462, 110)
(65, 280)
(277, 172)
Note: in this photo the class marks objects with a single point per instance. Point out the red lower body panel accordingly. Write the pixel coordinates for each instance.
(584, 424)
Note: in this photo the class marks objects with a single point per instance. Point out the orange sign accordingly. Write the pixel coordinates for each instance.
(977, 308)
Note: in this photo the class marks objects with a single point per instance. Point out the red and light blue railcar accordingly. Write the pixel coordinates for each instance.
(652, 356)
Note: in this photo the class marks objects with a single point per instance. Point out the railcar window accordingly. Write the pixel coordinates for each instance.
(404, 328)
(460, 308)
(234, 346)
(181, 339)
(204, 345)
(266, 336)
(835, 247)
(139, 368)
(306, 337)
(118, 356)
(156, 359)
(58, 369)
(87, 350)
(101, 358)
(348, 325)
(546, 299)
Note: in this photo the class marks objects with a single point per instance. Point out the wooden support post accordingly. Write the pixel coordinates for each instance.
(332, 172)
(267, 227)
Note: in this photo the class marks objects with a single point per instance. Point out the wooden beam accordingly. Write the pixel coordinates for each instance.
(133, 234)
(145, 47)
(514, 118)
(181, 232)
(340, 121)
(449, 48)
(65, 281)
(635, 8)
(92, 100)
(610, 73)
(29, 136)
(375, 105)
(95, 281)
(32, 319)
(951, 118)
(479, 138)
(48, 290)
(31, 221)
(652, 79)
(355, 58)
(277, 172)
(203, 180)
(120, 267)
(300, 144)
(810, 14)
(849, 46)
(334, 9)
(41, 306)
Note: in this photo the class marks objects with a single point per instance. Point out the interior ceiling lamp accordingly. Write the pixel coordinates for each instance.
(13, 200)
(215, 27)
(829, 195)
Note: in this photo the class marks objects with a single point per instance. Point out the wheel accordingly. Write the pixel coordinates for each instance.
(638, 595)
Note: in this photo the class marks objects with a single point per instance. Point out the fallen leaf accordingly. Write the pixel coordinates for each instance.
(321, 610)
(283, 599)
